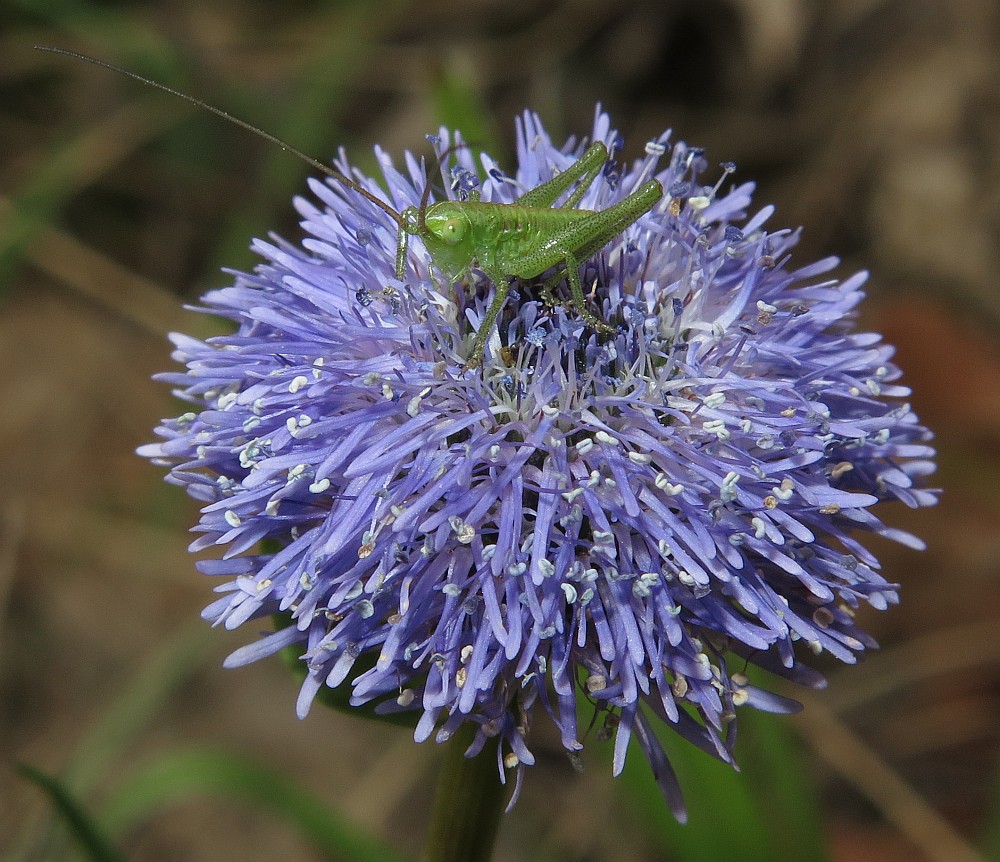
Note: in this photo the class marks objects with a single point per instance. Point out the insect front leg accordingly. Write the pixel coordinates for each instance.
(501, 286)
(402, 237)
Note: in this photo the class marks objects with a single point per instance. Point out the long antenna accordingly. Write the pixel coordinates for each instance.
(243, 124)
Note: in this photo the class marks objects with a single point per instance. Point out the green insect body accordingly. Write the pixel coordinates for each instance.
(525, 238)
(519, 240)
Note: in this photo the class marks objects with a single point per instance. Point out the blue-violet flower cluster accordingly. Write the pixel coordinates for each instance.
(626, 516)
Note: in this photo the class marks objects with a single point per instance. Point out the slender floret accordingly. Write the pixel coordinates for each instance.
(626, 516)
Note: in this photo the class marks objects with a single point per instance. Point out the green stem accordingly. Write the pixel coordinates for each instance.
(468, 804)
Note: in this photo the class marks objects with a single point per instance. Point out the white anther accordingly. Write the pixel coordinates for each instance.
(464, 532)
(718, 428)
(606, 439)
(785, 490)
(840, 469)
(727, 491)
(413, 407)
(297, 383)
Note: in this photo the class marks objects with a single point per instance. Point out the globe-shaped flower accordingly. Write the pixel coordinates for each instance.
(627, 516)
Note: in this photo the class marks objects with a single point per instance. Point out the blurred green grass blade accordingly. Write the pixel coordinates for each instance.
(776, 770)
(72, 165)
(100, 28)
(93, 841)
(138, 705)
(130, 713)
(724, 819)
(180, 777)
(769, 810)
(307, 120)
(990, 843)
(460, 105)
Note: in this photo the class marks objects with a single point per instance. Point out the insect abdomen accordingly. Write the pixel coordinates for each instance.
(515, 239)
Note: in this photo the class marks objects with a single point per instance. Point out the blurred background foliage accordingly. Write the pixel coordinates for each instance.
(874, 123)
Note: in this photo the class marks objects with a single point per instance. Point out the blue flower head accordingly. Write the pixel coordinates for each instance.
(628, 516)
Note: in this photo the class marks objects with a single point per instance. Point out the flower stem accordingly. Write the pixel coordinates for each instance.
(468, 805)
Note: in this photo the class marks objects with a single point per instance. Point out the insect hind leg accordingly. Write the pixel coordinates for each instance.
(578, 300)
(583, 171)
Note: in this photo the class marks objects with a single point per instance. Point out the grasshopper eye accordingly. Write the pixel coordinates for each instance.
(453, 230)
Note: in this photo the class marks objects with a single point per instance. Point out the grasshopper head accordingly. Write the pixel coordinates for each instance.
(448, 236)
